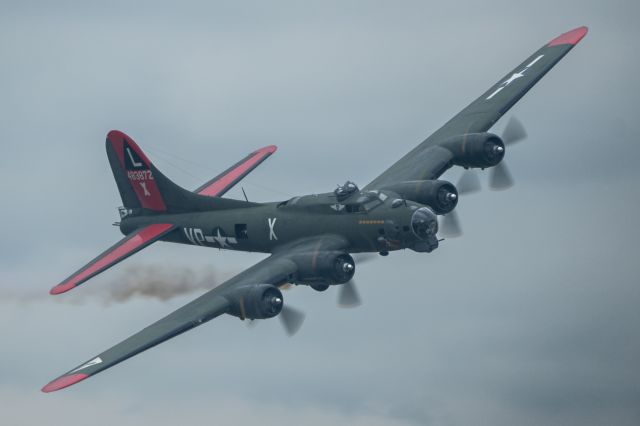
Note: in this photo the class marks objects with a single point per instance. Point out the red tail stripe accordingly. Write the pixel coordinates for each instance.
(220, 185)
(118, 136)
(149, 195)
(128, 246)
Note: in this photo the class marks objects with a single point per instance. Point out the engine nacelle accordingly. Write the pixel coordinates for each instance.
(440, 195)
(475, 150)
(324, 267)
(259, 301)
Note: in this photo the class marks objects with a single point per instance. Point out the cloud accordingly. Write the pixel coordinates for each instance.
(529, 318)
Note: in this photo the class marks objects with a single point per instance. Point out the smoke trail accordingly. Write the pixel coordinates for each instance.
(160, 282)
(137, 281)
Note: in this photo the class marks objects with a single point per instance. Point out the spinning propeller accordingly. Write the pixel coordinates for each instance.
(499, 178)
(291, 319)
(348, 297)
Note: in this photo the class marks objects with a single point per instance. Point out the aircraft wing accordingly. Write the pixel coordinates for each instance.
(220, 184)
(426, 161)
(132, 243)
(276, 270)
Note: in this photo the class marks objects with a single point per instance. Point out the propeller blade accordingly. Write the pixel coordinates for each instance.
(362, 258)
(468, 183)
(500, 177)
(291, 319)
(514, 132)
(286, 286)
(348, 295)
(450, 225)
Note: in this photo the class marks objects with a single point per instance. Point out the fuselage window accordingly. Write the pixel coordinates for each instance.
(354, 208)
(241, 231)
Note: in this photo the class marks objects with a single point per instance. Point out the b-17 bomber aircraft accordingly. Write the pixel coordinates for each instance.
(310, 239)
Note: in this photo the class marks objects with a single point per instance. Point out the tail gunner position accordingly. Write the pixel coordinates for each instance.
(309, 238)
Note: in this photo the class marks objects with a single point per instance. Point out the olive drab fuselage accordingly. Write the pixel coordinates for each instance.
(374, 221)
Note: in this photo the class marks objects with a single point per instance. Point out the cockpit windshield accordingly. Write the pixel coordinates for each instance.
(346, 198)
(366, 201)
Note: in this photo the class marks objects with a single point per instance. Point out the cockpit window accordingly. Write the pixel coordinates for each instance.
(370, 205)
(354, 208)
(365, 202)
(290, 202)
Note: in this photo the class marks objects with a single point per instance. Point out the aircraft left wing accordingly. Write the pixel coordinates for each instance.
(132, 243)
(220, 184)
(276, 270)
(430, 159)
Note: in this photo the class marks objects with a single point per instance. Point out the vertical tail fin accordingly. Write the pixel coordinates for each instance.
(145, 190)
(135, 175)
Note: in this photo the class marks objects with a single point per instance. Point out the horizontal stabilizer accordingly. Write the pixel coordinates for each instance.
(220, 184)
(124, 248)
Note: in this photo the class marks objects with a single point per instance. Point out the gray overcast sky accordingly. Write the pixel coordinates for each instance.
(530, 318)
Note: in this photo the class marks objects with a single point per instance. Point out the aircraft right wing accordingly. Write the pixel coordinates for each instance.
(272, 270)
(276, 270)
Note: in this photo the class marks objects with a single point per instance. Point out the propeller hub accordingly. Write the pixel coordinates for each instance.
(498, 149)
(452, 197)
(347, 267)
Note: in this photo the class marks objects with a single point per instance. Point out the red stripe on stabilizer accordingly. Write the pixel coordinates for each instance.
(128, 245)
(63, 382)
(571, 37)
(223, 183)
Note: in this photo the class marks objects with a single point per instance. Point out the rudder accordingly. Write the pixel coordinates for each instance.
(133, 173)
(145, 190)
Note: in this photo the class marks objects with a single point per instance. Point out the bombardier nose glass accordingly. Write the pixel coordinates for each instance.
(424, 223)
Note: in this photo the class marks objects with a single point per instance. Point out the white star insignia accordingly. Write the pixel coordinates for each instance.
(514, 77)
(221, 240)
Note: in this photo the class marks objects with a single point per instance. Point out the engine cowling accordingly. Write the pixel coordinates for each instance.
(440, 195)
(479, 150)
(324, 267)
(259, 301)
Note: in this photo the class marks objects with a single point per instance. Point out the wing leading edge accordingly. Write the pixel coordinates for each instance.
(429, 160)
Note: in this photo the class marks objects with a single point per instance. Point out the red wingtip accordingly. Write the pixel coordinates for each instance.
(571, 37)
(270, 149)
(61, 288)
(63, 382)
